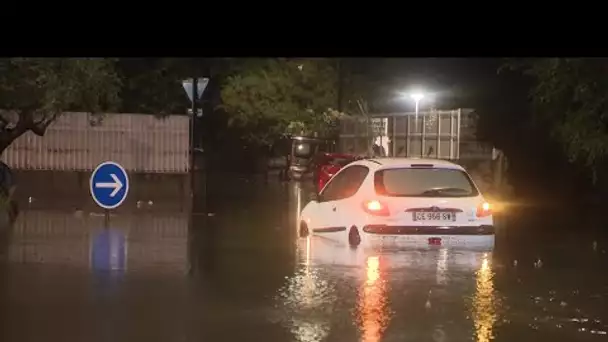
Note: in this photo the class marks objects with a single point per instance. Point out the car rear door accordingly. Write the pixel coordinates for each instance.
(335, 205)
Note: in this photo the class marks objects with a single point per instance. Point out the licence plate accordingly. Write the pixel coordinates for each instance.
(435, 241)
(434, 216)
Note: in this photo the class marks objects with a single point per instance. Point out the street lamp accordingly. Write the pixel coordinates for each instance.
(417, 97)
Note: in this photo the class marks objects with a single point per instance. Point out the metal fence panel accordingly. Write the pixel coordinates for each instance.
(446, 134)
(140, 142)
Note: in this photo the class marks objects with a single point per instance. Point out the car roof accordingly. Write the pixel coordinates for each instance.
(388, 163)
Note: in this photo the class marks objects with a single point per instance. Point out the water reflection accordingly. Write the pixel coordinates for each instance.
(305, 295)
(442, 266)
(306, 299)
(249, 282)
(373, 312)
(419, 294)
(155, 242)
(484, 302)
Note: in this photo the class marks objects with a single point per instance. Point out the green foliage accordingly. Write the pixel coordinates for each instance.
(154, 85)
(369, 85)
(38, 90)
(282, 96)
(570, 96)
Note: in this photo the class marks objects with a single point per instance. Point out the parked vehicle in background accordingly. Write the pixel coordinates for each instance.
(303, 151)
(328, 164)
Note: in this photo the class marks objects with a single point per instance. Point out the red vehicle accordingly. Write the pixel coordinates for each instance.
(328, 164)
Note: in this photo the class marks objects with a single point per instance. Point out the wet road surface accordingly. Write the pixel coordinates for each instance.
(238, 272)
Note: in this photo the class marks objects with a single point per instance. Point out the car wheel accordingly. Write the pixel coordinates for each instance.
(354, 239)
(303, 230)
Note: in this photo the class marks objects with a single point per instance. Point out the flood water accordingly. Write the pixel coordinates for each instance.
(238, 272)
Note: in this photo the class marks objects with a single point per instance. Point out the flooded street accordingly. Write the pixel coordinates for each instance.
(238, 272)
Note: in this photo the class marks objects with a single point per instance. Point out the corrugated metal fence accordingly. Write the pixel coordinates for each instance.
(75, 142)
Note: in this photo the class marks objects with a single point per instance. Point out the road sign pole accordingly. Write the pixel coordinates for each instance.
(192, 125)
(194, 88)
(106, 221)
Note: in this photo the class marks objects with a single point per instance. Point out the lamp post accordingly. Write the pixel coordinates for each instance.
(417, 97)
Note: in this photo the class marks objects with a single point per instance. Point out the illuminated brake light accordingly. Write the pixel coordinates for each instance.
(375, 207)
(484, 209)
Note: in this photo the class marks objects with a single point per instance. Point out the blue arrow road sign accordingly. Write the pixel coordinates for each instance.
(109, 185)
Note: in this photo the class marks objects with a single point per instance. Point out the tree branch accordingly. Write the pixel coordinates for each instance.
(39, 128)
(4, 123)
(23, 124)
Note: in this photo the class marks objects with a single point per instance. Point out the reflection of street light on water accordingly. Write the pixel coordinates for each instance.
(373, 312)
(307, 299)
(484, 302)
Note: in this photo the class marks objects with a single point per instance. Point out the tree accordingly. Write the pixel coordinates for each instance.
(34, 92)
(370, 86)
(154, 85)
(273, 97)
(569, 98)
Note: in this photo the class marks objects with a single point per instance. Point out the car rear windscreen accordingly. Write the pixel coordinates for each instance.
(424, 182)
(303, 150)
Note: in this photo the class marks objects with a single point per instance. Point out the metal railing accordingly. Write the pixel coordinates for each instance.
(436, 134)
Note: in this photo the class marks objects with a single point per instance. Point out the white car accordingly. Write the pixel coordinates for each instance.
(407, 201)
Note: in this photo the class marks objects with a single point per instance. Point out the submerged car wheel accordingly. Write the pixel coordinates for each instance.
(303, 230)
(354, 239)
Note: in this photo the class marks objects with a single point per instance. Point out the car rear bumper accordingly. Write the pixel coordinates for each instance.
(380, 229)
(480, 237)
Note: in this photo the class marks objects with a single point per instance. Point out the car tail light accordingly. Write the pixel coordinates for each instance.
(484, 209)
(375, 207)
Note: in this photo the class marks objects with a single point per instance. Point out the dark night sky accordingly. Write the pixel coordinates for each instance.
(446, 74)
(463, 82)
